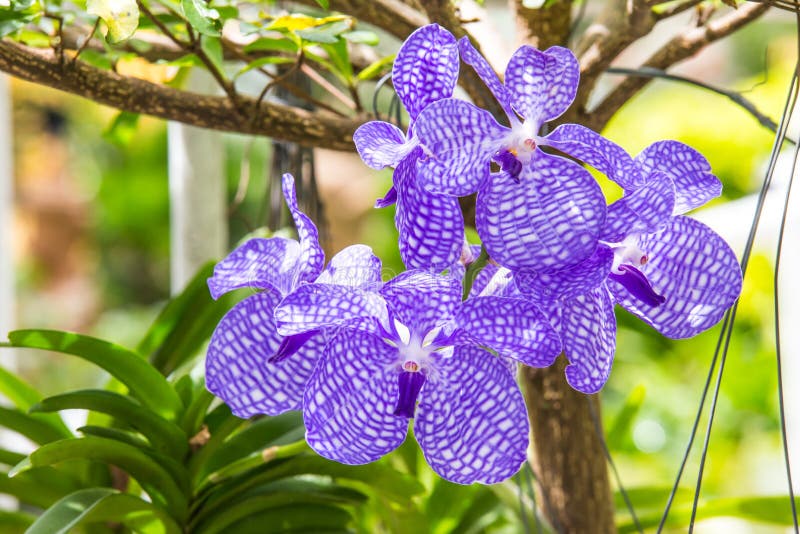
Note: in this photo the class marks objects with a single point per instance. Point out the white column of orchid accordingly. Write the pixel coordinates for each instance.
(198, 224)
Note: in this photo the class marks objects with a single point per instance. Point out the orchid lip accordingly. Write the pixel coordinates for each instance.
(290, 345)
(637, 285)
(409, 384)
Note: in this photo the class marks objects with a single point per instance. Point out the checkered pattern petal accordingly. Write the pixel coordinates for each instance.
(426, 68)
(459, 140)
(354, 266)
(694, 183)
(485, 72)
(592, 148)
(237, 370)
(644, 210)
(349, 402)
(471, 422)
(317, 306)
(542, 84)
(431, 225)
(568, 283)
(381, 144)
(512, 327)
(589, 333)
(312, 258)
(258, 264)
(694, 269)
(548, 221)
(422, 300)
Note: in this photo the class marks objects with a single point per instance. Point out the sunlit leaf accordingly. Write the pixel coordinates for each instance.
(376, 68)
(270, 44)
(122, 128)
(362, 37)
(120, 16)
(327, 33)
(295, 22)
(15, 522)
(204, 19)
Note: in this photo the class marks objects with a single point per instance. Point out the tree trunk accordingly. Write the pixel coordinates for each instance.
(568, 458)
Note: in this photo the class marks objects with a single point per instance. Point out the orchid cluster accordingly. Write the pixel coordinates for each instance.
(361, 356)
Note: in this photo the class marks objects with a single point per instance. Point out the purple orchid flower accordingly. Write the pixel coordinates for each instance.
(417, 351)
(541, 211)
(248, 364)
(431, 225)
(673, 272)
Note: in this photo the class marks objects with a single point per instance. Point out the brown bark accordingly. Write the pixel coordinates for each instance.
(568, 457)
(243, 115)
(543, 27)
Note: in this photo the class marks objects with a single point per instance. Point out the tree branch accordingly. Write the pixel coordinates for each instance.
(545, 26)
(42, 66)
(393, 16)
(678, 49)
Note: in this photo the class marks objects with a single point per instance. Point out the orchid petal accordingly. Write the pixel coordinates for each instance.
(237, 366)
(542, 84)
(317, 306)
(644, 210)
(592, 148)
(421, 300)
(568, 283)
(388, 199)
(471, 423)
(694, 269)
(547, 222)
(493, 280)
(512, 327)
(473, 58)
(258, 264)
(381, 144)
(426, 68)
(431, 225)
(312, 258)
(589, 332)
(694, 183)
(348, 404)
(459, 140)
(353, 266)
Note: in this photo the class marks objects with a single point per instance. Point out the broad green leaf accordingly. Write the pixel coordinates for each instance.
(649, 497)
(100, 505)
(294, 518)
(204, 19)
(297, 22)
(193, 417)
(362, 37)
(270, 44)
(122, 128)
(12, 20)
(340, 58)
(144, 382)
(15, 522)
(212, 46)
(34, 488)
(120, 16)
(324, 4)
(10, 458)
(23, 396)
(32, 426)
(165, 436)
(154, 479)
(326, 33)
(260, 62)
(124, 436)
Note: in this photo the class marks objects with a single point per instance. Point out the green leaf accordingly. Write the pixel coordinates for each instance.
(327, 33)
(23, 396)
(376, 68)
(154, 479)
(620, 429)
(296, 22)
(212, 46)
(165, 436)
(102, 505)
(122, 128)
(120, 16)
(10, 458)
(294, 518)
(125, 436)
(362, 37)
(39, 487)
(260, 62)
(272, 45)
(33, 427)
(202, 18)
(324, 4)
(340, 58)
(15, 522)
(144, 382)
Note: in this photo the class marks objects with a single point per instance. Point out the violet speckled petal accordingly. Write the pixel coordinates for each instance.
(422, 300)
(589, 333)
(312, 258)
(459, 141)
(485, 72)
(548, 221)
(381, 144)
(512, 327)
(491, 280)
(471, 423)
(592, 148)
(354, 266)
(431, 225)
(348, 404)
(426, 68)
(694, 183)
(694, 269)
(237, 370)
(644, 210)
(258, 264)
(317, 306)
(568, 283)
(542, 84)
